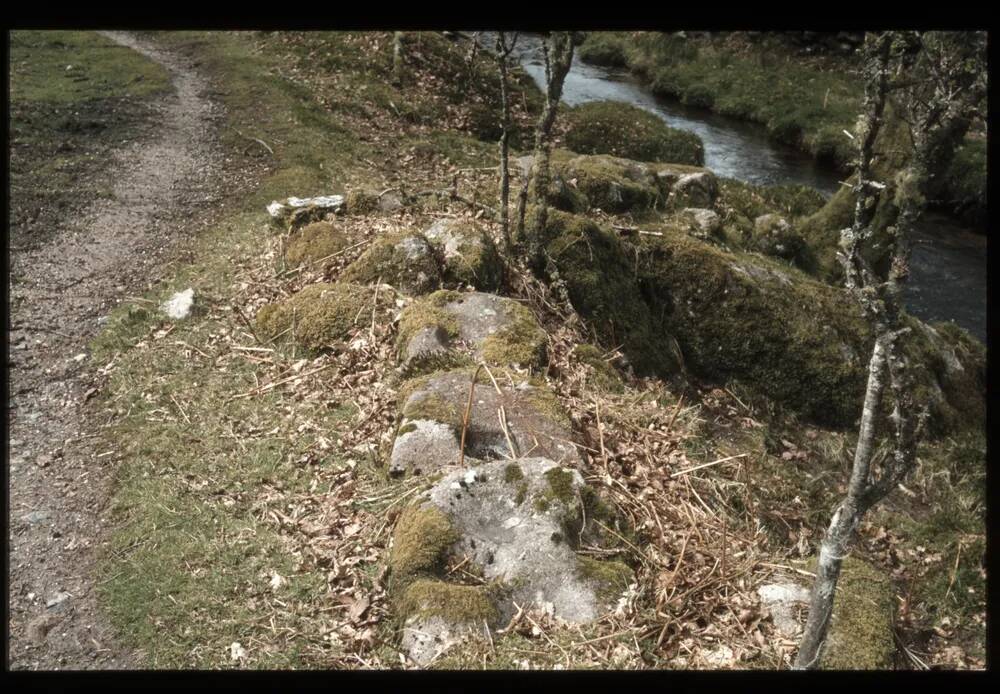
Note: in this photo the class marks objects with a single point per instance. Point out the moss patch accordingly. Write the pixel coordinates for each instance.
(427, 313)
(611, 184)
(610, 578)
(522, 342)
(316, 316)
(561, 485)
(433, 407)
(513, 473)
(600, 278)
(623, 130)
(602, 375)
(420, 542)
(860, 636)
(314, 242)
(456, 604)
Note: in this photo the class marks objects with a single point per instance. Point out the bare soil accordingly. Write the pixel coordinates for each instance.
(168, 183)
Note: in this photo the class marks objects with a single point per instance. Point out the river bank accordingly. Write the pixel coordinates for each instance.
(804, 96)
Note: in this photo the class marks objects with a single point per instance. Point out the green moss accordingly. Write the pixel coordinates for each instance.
(610, 578)
(601, 281)
(314, 242)
(861, 627)
(472, 258)
(360, 202)
(456, 604)
(433, 407)
(513, 473)
(541, 504)
(522, 493)
(623, 130)
(406, 429)
(561, 485)
(611, 184)
(388, 260)
(317, 315)
(427, 313)
(420, 542)
(522, 342)
(602, 375)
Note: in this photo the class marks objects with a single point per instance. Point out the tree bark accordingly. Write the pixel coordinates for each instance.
(503, 52)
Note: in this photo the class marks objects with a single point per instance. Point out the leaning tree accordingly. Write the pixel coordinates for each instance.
(935, 82)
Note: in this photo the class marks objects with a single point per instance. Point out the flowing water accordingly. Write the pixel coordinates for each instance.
(948, 265)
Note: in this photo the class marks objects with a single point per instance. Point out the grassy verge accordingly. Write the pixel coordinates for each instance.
(74, 96)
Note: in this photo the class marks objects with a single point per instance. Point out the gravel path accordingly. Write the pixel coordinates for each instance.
(167, 186)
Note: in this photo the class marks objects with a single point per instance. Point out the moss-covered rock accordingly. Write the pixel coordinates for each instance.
(452, 327)
(470, 256)
(623, 130)
(861, 627)
(773, 235)
(600, 278)
(604, 48)
(608, 183)
(404, 260)
(318, 315)
(314, 242)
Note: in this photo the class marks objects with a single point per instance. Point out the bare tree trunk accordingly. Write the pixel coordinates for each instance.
(397, 58)
(503, 52)
(558, 50)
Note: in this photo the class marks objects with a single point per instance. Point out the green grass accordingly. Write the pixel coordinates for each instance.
(69, 67)
(75, 96)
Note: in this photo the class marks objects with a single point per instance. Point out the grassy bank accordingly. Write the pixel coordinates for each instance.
(806, 100)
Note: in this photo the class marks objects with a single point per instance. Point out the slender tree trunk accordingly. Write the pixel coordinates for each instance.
(558, 50)
(503, 52)
(397, 58)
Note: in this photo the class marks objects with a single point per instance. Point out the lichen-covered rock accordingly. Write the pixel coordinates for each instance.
(705, 223)
(404, 260)
(450, 327)
(314, 242)
(320, 314)
(518, 523)
(296, 212)
(861, 626)
(773, 235)
(698, 189)
(470, 256)
(430, 433)
(623, 130)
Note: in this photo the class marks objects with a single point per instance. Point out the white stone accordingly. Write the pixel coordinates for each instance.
(179, 305)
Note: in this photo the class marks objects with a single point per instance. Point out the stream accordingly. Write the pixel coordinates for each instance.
(948, 264)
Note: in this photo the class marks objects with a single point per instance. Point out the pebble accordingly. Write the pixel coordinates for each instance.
(36, 517)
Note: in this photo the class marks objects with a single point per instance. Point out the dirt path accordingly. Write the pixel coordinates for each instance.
(166, 187)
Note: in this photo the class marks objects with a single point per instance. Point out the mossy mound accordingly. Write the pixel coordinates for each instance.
(600, 279)
(470, 256)
(521, 342)
(403, 259)
(450, 601)
(420, 544)
(623, 130)
(603, 48)
(773, 235)
(319, 315)
(861, 627)
(313, 242)
(608, 183)
(801, 343)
